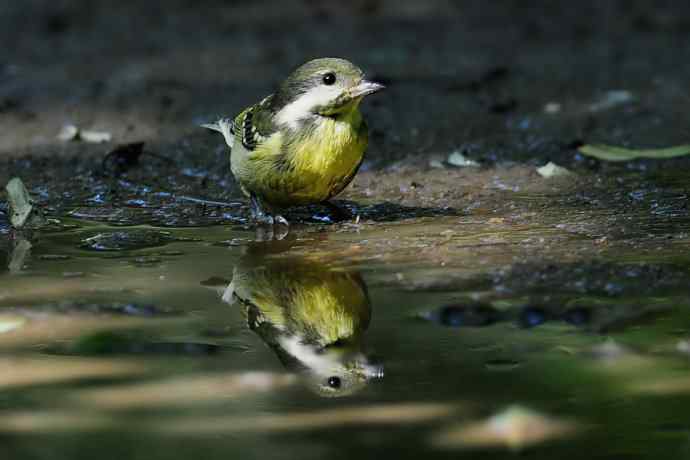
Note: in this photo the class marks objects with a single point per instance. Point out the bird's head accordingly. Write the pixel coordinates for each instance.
(343, 376)
(326, 87)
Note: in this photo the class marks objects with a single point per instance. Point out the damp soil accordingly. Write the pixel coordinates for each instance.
(151, 319)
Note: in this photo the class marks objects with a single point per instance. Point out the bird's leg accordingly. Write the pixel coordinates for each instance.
(261, 213)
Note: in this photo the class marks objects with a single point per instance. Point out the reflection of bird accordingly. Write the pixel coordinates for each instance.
(303, 144)
(312, 317)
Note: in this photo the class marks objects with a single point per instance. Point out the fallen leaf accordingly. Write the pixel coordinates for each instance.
(552, 170)
(611, 153)
(95, 137)
(74, 133)
(19, 201)
(459, 160)
(612, 99)
(68, 133)
(552, 108)
(516, 427)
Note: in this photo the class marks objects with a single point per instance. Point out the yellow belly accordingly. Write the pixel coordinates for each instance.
(318, 165)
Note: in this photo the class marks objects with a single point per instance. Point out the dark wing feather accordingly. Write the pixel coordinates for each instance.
(255, 124)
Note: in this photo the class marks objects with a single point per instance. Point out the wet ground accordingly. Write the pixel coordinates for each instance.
(465, 311)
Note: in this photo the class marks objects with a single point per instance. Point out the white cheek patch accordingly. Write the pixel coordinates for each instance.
(304, 106)
(318, 363)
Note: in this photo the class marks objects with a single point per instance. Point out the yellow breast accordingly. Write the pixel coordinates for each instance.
(311, 166)
(320, 163)
(331, 151)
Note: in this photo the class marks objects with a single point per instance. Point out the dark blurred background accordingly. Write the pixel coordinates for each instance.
(503, 80)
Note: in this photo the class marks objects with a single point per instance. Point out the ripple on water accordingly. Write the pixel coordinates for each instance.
(463, 316)
(126, 240)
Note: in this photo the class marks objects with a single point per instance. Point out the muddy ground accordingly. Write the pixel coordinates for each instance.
(477, 78)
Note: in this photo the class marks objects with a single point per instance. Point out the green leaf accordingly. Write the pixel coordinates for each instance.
(20, 202)
(610, 153)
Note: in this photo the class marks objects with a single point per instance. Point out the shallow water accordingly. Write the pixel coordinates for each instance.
(141, 342)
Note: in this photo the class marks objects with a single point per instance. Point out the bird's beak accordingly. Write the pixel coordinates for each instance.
(373, 371)
(364, 88)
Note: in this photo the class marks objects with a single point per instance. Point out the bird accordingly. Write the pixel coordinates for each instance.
(304, 143)
(311, 315)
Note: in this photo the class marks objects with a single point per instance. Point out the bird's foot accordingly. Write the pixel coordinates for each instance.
(262, 215)
(271, 220)
(271, 227)
(264, 219)
(280, 220)
(271, 232)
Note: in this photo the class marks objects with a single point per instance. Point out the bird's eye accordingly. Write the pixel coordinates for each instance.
(334, 382)
(329, 79)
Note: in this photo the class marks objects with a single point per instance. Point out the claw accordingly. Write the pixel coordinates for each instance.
(262, 215)
(280, 220)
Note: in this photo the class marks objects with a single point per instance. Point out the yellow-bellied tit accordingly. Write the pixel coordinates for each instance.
(304, 143)
(312, 316)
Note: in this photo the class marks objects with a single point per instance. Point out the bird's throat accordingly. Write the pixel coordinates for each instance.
(330, 145)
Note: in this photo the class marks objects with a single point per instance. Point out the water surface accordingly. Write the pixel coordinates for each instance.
(143, 342)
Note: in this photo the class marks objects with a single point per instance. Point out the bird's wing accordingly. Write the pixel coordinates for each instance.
(254, 124)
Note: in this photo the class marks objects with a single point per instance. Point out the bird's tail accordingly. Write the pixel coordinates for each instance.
(223, 126)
